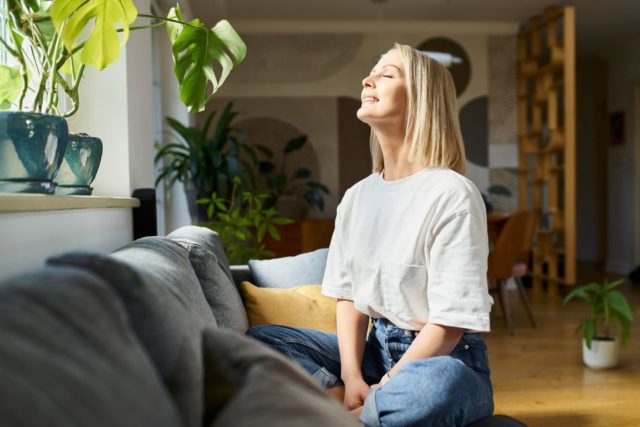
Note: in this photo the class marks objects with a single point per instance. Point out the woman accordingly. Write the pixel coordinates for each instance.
(410, 251)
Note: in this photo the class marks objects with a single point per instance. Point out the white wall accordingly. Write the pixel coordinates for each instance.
(104, 113)
(171, 203)
(623, 226)
(28, 238)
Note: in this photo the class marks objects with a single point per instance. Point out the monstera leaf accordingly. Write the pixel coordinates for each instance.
(102, 46)
(11, 86)
(196, 49)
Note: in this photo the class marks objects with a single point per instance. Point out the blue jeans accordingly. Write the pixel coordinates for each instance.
(452, 390)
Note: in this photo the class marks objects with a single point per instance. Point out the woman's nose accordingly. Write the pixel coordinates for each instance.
(367, 82)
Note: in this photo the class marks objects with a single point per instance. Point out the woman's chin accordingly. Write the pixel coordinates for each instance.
(363, 116)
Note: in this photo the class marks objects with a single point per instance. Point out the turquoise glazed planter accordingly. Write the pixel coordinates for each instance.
(80, 165)
(31, 149)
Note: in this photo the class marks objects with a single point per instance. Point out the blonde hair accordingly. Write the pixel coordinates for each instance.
(432, 125)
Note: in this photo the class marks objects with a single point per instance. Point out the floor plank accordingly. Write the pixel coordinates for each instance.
(538, 374)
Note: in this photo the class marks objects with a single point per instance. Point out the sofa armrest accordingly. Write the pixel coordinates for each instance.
(241, 273)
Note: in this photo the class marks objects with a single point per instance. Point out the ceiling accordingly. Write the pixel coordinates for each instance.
(599, 23)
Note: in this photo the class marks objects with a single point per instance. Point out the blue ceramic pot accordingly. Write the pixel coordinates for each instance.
(80, 165)
(31, 149)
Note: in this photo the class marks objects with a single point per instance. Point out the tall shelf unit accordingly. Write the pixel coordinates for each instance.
(547, 142)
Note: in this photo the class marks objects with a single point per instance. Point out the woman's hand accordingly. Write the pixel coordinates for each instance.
(355, 392)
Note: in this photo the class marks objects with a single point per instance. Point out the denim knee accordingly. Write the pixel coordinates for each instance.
(299, 347)
(438, 391)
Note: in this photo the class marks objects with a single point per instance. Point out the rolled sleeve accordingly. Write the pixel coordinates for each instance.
(457, 285)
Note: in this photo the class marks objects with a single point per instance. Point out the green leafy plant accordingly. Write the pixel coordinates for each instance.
(607, 305)
(300, 183)
(53, 41)
(243, 223)
(204, 164)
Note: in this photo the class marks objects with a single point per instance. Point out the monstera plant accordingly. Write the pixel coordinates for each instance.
(52, 42)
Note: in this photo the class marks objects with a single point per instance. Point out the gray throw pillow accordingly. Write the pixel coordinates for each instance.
(210, 264)
(248, 384)
(68, 356)
(287, 272)
(167, 309)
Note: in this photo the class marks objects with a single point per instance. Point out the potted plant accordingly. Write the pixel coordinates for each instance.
(32, 140)
(293, 194)
(243, 223)
(204, 164)
(52, 42)
(601, 348)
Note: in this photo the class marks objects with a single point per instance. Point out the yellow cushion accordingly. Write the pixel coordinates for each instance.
(302, 307)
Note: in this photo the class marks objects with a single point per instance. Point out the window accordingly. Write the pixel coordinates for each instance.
(4, 56)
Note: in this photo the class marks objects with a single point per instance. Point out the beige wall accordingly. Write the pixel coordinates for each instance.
(248, 87)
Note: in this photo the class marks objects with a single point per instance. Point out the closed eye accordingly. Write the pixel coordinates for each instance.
(389, 76)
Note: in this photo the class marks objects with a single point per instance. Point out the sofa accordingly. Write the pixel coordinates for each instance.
(150, 335)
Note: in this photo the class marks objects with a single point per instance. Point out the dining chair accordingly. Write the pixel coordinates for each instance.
(509, 260)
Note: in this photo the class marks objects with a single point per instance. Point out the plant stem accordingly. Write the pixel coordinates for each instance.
(6, 45)
(53, 71)
(233, 196)
(74, 92)
(159, 24)
(64, 58)
(23, 63)
(141, 15)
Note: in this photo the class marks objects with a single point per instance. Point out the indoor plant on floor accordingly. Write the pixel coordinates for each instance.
(601, 348)
(292, 193)
(242, 221)
(203, 163)
(53, 42)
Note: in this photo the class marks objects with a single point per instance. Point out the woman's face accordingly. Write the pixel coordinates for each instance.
(384, 97)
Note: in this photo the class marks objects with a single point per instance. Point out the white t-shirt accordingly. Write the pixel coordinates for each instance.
(413, 250)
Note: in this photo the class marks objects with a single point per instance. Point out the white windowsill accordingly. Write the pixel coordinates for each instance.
(44, 202)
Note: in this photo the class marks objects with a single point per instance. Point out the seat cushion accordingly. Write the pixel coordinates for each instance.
(249, 384)
(287, 272)
(167, 309)
(68, 356)
(301, 306)
(209, 262)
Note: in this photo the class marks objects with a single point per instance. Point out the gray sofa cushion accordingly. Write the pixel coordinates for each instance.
(154, 278)
(210, 264)
(287, 272)
(249, 384)
(69, 358)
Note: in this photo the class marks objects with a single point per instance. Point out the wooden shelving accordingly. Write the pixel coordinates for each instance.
(546, 98)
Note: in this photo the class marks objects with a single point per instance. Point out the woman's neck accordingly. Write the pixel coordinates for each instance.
(395, 151)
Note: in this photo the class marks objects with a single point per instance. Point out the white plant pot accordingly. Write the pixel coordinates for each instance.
(603, 353)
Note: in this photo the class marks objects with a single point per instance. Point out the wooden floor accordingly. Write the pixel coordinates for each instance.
(538, 374)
